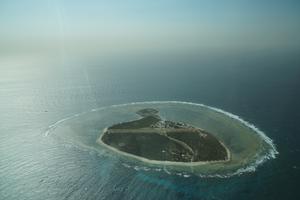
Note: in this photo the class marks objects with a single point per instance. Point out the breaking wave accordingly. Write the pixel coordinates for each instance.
(251, 167)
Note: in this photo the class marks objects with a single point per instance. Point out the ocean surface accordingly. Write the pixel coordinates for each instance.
(262, 88)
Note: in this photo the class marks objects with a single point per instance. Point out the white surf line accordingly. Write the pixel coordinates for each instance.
(53, 126)
(271, 153)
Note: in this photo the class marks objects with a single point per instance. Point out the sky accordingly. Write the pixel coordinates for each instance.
(122, 26)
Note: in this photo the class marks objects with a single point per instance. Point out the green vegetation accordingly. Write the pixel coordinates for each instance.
(137, 124)
(155, 139)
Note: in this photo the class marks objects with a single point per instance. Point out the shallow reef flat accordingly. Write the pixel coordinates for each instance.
(174, 136)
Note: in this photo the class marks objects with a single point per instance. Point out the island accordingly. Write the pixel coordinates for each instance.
(153, 139)
(172, 137)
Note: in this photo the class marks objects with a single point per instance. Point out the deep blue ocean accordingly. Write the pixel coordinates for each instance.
(260, 87)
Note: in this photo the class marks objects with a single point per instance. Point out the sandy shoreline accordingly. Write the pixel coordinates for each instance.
(254, 146)
(156, 162)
